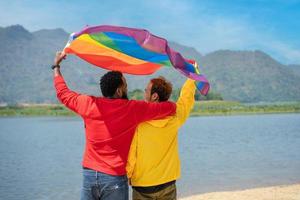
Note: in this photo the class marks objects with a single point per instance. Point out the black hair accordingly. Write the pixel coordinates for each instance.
(109, 83)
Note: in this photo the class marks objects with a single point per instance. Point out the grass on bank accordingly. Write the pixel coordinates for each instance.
(36, 110)
(231, 107)
(201, 108)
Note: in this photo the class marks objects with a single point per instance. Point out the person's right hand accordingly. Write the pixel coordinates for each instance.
(59, 57)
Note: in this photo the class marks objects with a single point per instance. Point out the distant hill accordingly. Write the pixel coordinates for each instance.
(251, 76)
(295, 69)
(26, 77)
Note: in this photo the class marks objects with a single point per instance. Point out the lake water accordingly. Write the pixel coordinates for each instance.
(41, 157)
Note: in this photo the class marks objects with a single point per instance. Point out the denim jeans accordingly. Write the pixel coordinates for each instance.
(101, 186)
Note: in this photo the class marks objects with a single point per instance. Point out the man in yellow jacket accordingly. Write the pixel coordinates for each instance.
(153, 163)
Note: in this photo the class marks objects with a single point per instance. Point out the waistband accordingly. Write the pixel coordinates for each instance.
(153, 189)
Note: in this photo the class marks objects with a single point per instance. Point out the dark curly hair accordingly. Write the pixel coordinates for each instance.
(109, 83)
(162, 87)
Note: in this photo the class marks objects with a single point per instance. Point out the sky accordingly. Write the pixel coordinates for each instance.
(272, 26)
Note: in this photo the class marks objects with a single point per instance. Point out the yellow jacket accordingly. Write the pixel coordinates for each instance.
(153, 158)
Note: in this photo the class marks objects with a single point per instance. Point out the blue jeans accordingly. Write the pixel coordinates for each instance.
(101, 186)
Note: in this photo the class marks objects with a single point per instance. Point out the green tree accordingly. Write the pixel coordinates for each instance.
(210, 96)
(175, 94)
(136, 94)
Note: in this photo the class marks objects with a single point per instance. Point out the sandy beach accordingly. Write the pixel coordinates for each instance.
(290, 192)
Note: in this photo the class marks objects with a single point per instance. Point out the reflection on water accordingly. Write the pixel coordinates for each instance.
(41, 157)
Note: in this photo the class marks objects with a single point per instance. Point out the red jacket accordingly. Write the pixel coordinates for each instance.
(109, 125)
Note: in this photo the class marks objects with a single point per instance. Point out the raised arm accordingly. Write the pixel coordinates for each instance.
(81, 104)
(186, 100)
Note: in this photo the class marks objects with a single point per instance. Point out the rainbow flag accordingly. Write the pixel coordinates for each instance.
(132, 51)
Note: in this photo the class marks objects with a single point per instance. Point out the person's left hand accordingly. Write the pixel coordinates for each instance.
(59, 57)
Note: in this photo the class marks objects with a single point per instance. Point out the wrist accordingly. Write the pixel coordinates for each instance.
(56, 71)
(55, 66)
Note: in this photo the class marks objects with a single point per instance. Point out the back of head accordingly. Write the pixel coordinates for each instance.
(162, 87)
(110, 82)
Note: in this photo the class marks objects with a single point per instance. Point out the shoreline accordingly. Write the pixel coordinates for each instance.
(201, 108)
(281, 192)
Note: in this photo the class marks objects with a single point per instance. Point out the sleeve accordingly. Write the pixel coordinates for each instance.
(132, 156)
(146, 111)
(185, 101)
(81, 104)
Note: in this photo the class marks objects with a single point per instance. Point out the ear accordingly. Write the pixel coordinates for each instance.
(119, 92)
(154, 97)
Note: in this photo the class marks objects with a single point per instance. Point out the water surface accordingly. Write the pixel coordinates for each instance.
(41, 157)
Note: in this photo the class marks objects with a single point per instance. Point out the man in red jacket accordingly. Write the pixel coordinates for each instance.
(110, 122)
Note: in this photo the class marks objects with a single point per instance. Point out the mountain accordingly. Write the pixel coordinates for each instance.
(251, 76)
(26, 77)
(295, 69)
(188, 52)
